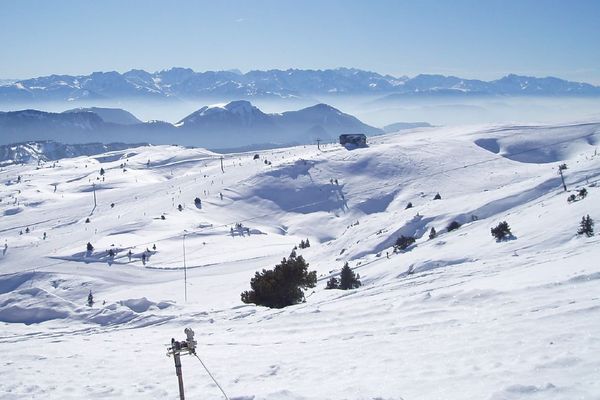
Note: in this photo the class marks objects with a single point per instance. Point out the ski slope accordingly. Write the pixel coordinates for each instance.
(461, 316)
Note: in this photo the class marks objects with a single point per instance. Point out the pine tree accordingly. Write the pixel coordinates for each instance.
(348, 279)
(437, 197)
(307, 243)
(90, 299)
(302, 245)
(501, 231)
(180, 207)
(101, 171)
(403, 242)
(89, 247)
(409, 205)
(432, 233)
(586, 226)
(582, 193)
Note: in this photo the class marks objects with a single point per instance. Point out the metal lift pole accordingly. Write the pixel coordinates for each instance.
(187, 346)
(184, 271)
(177, 359)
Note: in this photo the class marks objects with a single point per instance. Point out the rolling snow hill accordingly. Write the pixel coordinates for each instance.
(460, 316)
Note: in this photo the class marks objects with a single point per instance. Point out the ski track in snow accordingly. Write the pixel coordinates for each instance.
(460, 316)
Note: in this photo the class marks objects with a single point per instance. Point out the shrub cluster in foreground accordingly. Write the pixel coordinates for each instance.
(282, 286)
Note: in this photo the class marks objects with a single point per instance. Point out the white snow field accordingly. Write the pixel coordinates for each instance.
(461, 316)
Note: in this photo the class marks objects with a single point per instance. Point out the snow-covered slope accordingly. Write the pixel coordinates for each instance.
(33, 152)
(460, 316)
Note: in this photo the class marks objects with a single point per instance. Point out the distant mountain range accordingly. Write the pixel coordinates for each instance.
(401, 126)
(184, 83)
(233, 125)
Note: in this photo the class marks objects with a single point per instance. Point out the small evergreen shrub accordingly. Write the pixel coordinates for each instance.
(403, 242)
(333, 283)
(409, 205)
(437, 197)
(304, 244)
(501, 231)
(586, 226)
(432, 233)
(582, 193)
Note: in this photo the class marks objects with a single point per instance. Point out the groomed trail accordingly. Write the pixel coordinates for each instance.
(460, 316)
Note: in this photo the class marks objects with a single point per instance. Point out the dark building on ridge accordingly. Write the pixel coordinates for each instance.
(356, 139)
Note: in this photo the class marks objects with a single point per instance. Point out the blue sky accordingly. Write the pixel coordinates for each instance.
(468, 38)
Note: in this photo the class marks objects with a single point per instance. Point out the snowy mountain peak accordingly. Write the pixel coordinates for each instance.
(243, 121)
(323, 107)
(241, 107)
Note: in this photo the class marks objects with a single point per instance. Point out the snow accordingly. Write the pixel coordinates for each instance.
(461, 316)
